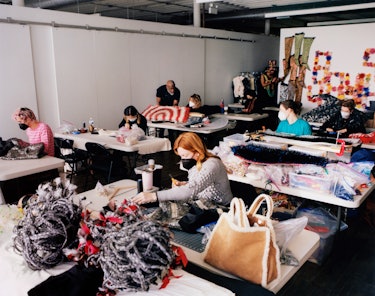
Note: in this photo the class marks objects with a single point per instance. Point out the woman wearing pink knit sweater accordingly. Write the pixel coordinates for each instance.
(37, 132)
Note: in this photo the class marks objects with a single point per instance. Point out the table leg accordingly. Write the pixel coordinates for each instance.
(339, 210)
(2, 199)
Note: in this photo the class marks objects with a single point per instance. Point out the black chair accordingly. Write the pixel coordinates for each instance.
(75, 158)
(104, 162)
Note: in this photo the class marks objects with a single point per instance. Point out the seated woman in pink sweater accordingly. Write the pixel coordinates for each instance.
(37, 132)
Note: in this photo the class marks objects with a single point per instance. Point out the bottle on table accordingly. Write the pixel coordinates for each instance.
(91, 125)
(222, 106)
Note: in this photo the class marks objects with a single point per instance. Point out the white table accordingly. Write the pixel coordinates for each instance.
(236, 106)
(302, 246)
(148, 146)
(244, 122)
(94, 201)
(310, 194)
(370, 146)
(17, 278)
(241, 116)
(12, 169)
(270, 108)
(216, 124)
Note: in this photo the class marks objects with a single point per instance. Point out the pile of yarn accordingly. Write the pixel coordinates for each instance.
(50, 224)
(132, 251)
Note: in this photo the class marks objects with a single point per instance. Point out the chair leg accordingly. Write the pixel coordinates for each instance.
(109, 173)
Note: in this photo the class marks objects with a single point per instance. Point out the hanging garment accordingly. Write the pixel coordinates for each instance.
(238, 87)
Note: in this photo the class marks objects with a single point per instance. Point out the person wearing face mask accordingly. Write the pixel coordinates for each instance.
(207, 175)
(132, 116)
(196, 106)
(290, 123)
(37, 132)
(348, 121)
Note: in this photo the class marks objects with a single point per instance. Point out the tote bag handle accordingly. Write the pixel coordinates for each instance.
(238, 214)
(257, 203)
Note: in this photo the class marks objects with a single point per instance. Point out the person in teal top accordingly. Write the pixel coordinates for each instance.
(290, 123)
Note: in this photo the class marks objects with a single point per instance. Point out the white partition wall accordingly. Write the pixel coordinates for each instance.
(112, 77)
(17, 83)
(75, 74)
(72, 67)
(156, 59)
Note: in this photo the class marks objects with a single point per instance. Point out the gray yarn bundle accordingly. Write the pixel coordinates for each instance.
(136, 256)
(49, 224)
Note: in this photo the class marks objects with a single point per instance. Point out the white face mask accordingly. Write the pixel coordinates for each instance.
(191, 104)
(282, 116)
(345, 115)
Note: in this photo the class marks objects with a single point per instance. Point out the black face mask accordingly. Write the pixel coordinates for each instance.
(23, 126)
(188, 163)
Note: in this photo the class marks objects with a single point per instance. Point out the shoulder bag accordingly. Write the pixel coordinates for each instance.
(244, 244)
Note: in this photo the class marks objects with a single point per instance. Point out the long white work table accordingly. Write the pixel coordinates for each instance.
(215, 125)
(17, 277)
(302, 246)
(13, 169)
(242, 116)
(147, 146)
(310, 194)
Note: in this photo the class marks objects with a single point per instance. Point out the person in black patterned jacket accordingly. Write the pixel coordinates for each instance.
(348, 121)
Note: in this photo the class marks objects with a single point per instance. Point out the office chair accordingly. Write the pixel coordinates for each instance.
(104, 162)
(73, 157)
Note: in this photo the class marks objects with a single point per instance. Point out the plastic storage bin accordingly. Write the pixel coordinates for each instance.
(324, 224)
(319, 183)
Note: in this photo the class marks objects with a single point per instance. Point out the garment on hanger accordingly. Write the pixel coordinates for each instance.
(238, 87)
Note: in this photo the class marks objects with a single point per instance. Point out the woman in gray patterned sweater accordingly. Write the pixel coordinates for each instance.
(207, 176)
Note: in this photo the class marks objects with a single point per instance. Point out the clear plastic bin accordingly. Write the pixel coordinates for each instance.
(323, 184)
(323, 223)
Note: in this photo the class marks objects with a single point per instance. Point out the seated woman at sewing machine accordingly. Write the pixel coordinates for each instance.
(348, 121)
(290, 123)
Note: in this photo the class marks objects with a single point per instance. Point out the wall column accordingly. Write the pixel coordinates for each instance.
(197, 14)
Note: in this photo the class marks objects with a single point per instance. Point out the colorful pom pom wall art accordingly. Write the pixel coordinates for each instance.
(348, 86)
(323, 79)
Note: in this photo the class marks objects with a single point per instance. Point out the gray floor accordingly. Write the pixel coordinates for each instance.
(348, 270)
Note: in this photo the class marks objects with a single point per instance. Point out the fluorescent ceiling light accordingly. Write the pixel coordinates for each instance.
(207, 1)
(342, 22)
(320, 10)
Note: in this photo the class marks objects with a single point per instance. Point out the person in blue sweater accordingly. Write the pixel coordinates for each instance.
(290, 123)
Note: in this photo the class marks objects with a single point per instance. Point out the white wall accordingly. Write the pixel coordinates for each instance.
(17, 88)
(81, 66)
(346, 44)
